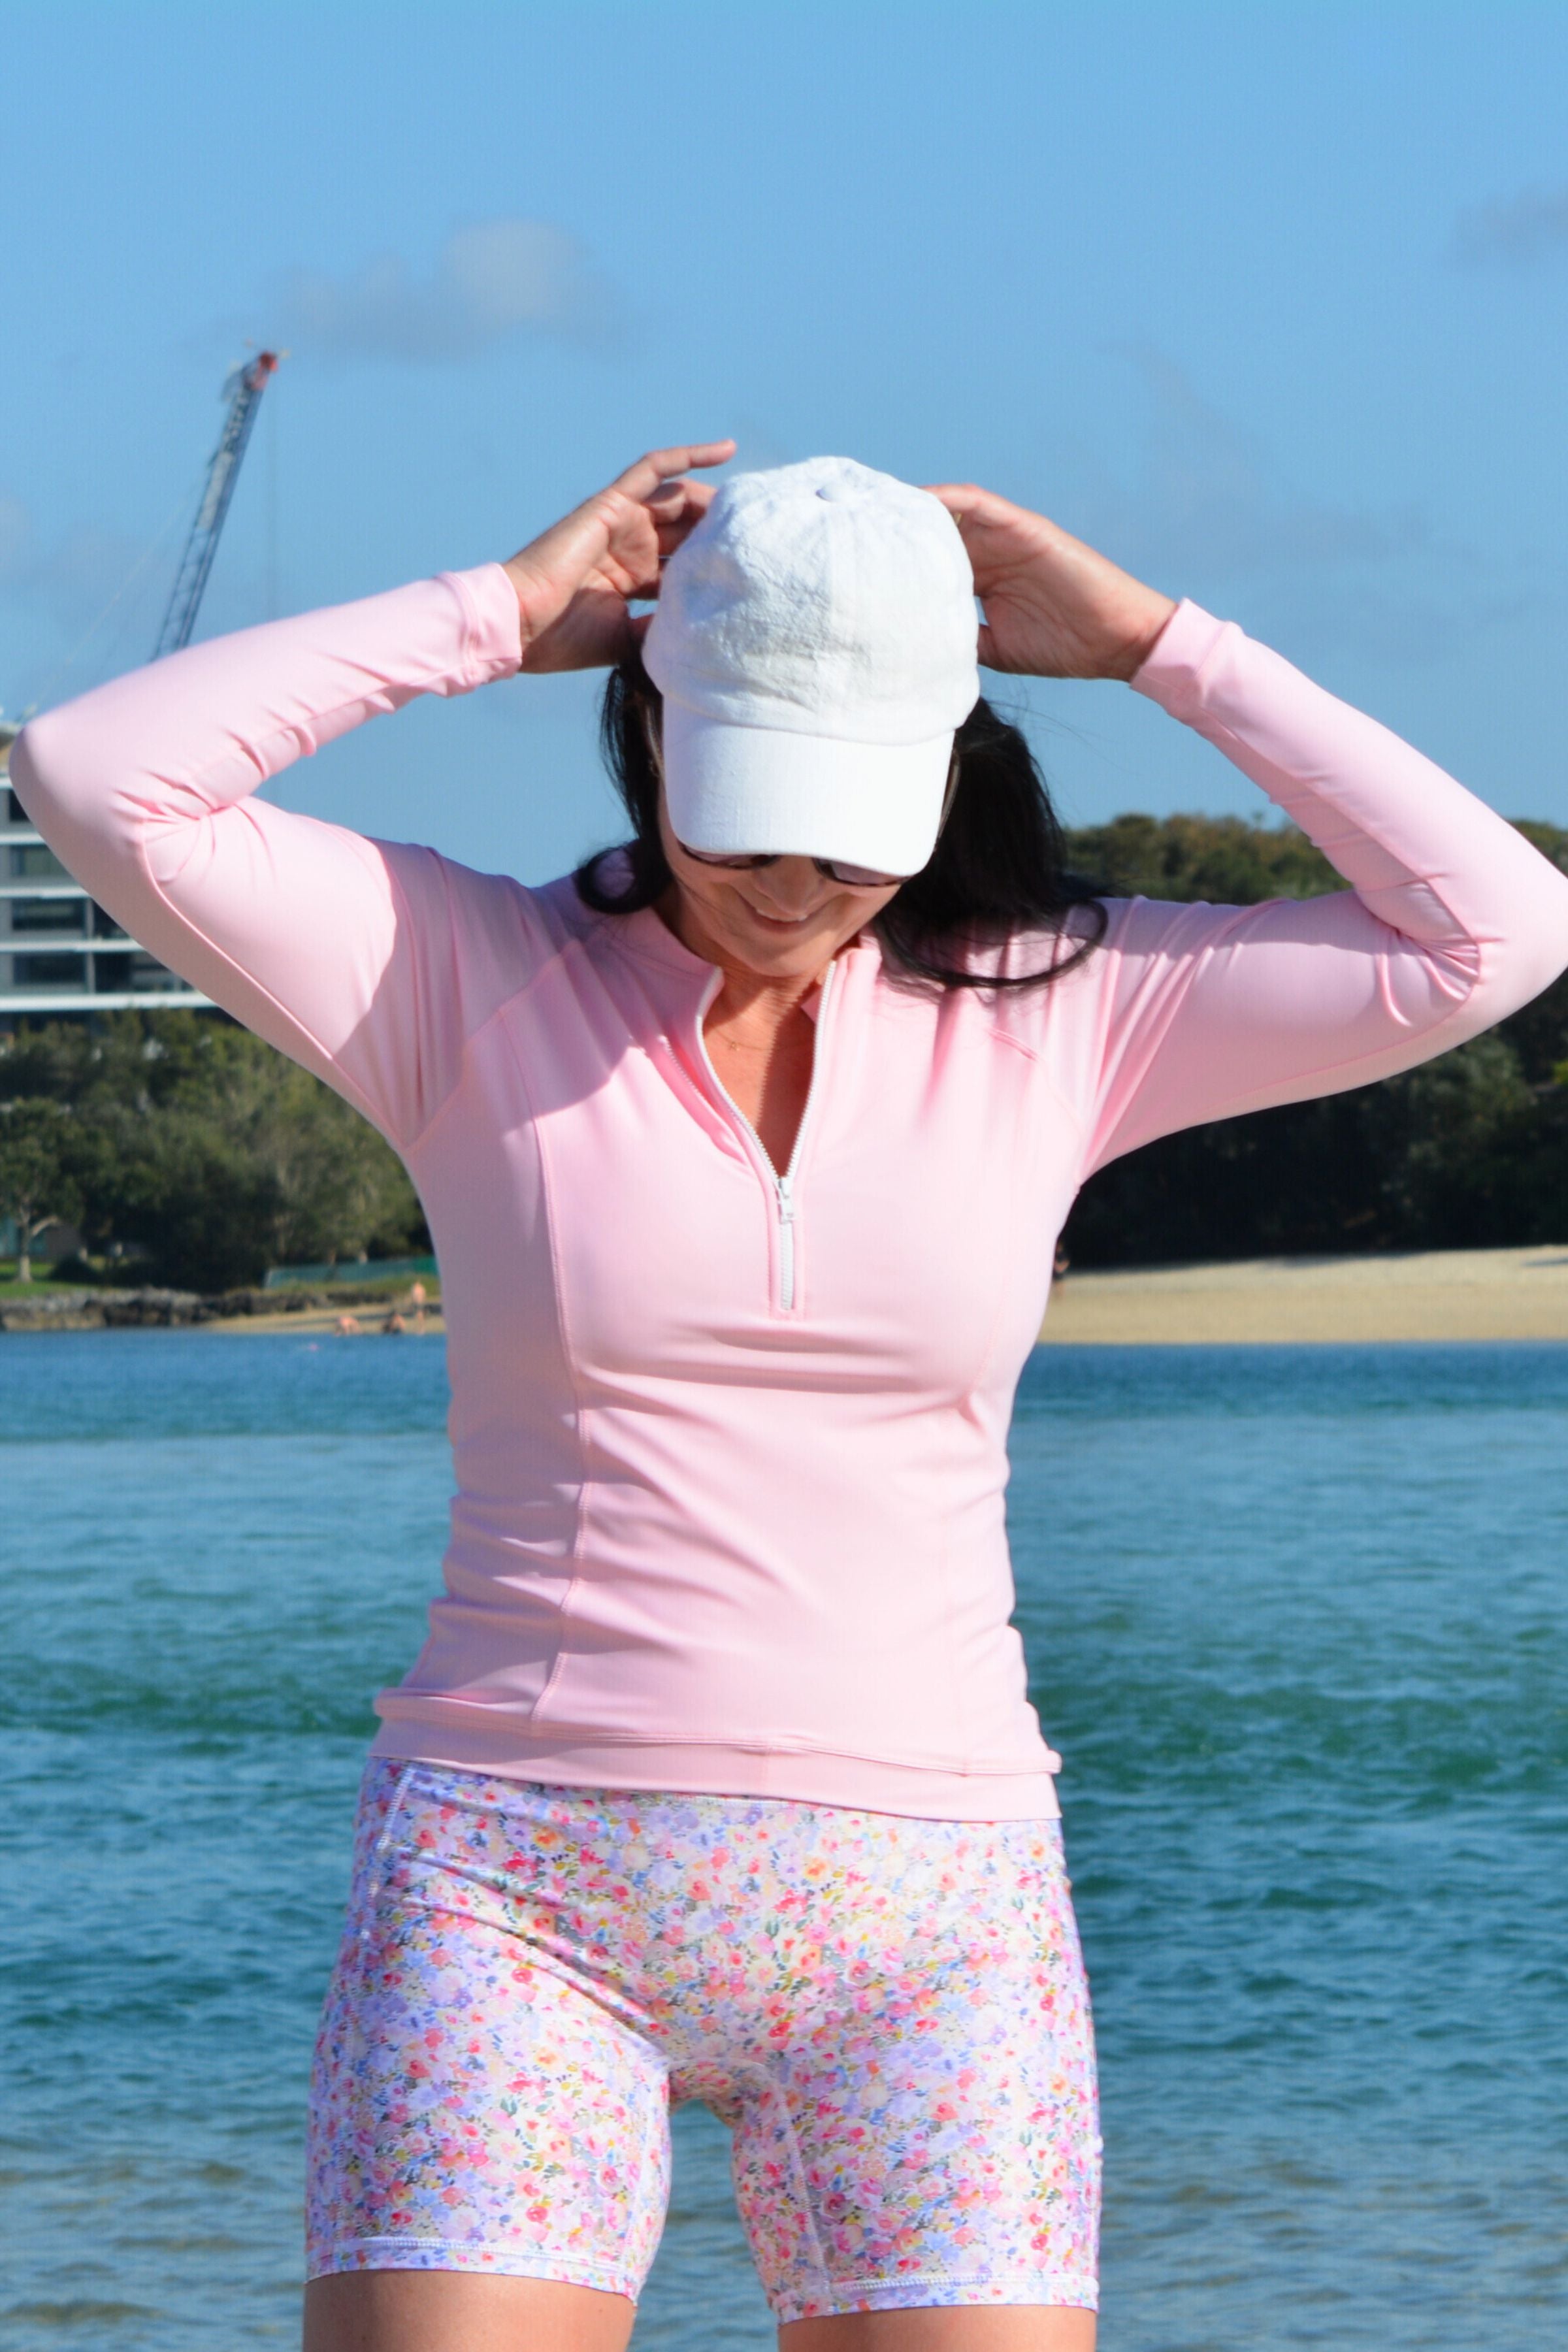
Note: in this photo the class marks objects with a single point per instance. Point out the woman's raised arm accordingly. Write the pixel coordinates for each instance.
(1452, 920)
(344, 952)
(310, 934)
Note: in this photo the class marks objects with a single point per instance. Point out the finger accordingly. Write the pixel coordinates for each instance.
(578, 535)
(673, 532)
(966, 503)
(960, 498)
(594, 520)
(677, 506)
(978, 542)
(660, 465)
(678, 491)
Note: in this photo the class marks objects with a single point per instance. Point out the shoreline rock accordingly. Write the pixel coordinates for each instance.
(150, 1306)
(102, 1310)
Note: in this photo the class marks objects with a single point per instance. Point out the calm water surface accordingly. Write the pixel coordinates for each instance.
(1297, 1618)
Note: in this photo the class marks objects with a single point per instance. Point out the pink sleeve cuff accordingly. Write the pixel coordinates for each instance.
(493, 640)
(1172, 674)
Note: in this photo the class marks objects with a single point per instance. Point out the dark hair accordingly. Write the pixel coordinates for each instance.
(997, 868)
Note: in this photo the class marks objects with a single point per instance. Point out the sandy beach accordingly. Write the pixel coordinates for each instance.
(316, 1320)
(1496, 1294)
(1508, 1294)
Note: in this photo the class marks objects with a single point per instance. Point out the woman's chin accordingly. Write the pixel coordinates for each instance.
(784, 951)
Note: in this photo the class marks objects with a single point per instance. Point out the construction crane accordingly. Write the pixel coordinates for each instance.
(59, 952)
(243, 392)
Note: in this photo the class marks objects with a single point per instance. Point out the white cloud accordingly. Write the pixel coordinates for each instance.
(1523, 229)
(490, 281)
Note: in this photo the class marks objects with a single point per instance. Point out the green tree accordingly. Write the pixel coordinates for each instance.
(38, 1182)
(1470, 1148)
(196, 1140)
(333, 1185)
(201, 1211)
(211, 1152)
(1465, 1167)
(1224, 859)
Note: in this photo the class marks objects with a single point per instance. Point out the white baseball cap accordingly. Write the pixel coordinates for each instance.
(815, 644)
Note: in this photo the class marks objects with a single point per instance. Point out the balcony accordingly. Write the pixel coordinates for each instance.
(59, 951)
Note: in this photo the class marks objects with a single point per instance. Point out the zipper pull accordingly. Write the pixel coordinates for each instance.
(786, 1243)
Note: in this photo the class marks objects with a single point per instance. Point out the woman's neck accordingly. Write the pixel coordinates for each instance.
(750, 1004)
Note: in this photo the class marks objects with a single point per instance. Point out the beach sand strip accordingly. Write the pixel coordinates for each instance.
(1508, 1294)
(1495, 1294)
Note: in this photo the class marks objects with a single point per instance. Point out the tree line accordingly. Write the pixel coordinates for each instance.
(1470, 1151)
(181, 1142)
(185, 1143)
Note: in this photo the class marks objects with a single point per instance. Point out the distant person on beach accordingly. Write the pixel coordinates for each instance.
(745, 1149)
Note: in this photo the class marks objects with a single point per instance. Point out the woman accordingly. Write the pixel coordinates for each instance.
(745, 1155)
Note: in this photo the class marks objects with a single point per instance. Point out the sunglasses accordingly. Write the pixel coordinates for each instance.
(833, 869)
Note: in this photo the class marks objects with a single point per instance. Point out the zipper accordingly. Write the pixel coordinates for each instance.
(786, 1233)
(782, 1186)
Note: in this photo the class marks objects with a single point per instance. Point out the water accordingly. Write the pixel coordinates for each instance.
(1297, 1617)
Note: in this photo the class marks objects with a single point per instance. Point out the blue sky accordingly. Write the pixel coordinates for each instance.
(1269, 302)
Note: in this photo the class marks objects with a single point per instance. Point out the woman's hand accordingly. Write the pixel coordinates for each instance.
(1053, 607)
(575, 581)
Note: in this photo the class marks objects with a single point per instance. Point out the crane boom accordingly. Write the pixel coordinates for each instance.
(243, 392)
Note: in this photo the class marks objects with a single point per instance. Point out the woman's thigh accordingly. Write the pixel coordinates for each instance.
(917, 2132)
(891, 2014)
(447, 2311)
(432, 2311)
(472, 2112)
(1017, 2328)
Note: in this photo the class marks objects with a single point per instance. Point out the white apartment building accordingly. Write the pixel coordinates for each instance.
(59, 952)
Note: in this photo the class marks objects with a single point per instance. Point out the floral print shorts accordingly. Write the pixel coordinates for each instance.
(890, 2014)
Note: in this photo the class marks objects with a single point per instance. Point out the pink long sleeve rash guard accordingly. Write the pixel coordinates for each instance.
(731, 1465)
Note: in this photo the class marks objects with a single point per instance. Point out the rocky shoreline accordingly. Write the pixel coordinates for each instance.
(151, 1309)
(1424, 1295)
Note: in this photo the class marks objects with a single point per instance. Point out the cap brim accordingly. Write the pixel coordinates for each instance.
(733, 791)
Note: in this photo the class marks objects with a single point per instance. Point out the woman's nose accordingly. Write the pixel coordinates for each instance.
(789, 889)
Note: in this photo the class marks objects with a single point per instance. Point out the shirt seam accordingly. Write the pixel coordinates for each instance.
(1034, 1054)
(473, 626)
(468, 612)
(508, 1004)
(564, 1734)
(469, 673)
(579, 1410)
(1293, 791)
(350, 1086)
(616, 930)
(1236, 1105)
